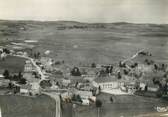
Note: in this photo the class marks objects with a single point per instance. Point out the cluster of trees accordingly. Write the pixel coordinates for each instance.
(107, 70)
(149, 62)
(37, 55)
(77, 98)
(5, 50)
(122, 65)
(19, 77)
(93, 65)
(160, 67)
(145, 53)
(45, 84)
(163, 87)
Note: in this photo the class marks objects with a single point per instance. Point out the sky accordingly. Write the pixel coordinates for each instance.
(135, 11)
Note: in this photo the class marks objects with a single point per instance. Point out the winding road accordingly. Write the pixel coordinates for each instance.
(53, 95)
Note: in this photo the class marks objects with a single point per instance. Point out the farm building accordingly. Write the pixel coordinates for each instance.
(25, 89)
(152, 87)
(28, 66)
(108, 82)
(3, 82)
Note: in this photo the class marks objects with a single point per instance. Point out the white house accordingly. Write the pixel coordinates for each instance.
(108, 82)
(3, 55)
(144, 68)
(66, 82)
(152, 87)
(1, 76)
(142, 86)
(25, 89)
(28, 66)
(85, 102)
(84, 94)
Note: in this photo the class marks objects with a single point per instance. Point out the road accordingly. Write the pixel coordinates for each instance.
(53, 95)
(133, 56)
(43, 77)
(56, 97)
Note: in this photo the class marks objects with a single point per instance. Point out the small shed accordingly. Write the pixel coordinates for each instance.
(25, 89)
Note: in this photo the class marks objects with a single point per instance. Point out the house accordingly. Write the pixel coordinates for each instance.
(46, 61)
(20, 53)
(85, 102)
(131, 87)
(110, 82)
(66, 96)
(84, 94)
(3, 55)
(152, 87)
(144, 68)
(66, 82)
(142, 86)
(1, 76)
(25, 89)
(35, 88)
(28, 66)
(1, 50)
(85, 86)
(3, 82)
(88, 77)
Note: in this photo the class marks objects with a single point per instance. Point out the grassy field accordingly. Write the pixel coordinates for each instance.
(87, 43)
(13, 64)
(126, 106)
(17, 106)
(44, 106)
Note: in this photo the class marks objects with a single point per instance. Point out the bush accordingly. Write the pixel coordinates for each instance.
(75, 72)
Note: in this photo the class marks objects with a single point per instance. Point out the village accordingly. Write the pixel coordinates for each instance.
(82, 84)
(44, 74)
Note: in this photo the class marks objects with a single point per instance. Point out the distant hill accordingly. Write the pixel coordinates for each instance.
(15, 29)
(98, 42)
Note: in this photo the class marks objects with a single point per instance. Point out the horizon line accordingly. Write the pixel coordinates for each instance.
(34, 20)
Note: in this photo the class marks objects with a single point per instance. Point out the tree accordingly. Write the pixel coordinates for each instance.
(15, 78)
(99, 89)
(75, 72)
(6, 74)
(10, 85)
(102, 73)
(20, 76)
(111, 99)
(119, 75)
(22, 81)
(109, 69)
(76, 84)
(78, 98)
(93, 65)
(98, 105)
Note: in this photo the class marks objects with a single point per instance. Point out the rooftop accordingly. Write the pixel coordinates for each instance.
(106, 79)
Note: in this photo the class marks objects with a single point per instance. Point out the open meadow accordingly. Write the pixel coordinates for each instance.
(77, 42)
(20, 106)
(12, 64)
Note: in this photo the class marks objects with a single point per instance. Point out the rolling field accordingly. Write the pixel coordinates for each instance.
(123, 106)
(18, 106)
(81, 42)
(13, 64)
